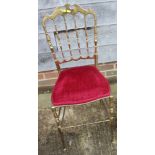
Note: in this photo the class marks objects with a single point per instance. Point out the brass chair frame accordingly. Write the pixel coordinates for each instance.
(73, 10)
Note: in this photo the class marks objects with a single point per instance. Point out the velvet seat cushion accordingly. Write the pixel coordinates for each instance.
(79, 85)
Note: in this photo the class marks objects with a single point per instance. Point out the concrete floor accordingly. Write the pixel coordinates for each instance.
(91, 139)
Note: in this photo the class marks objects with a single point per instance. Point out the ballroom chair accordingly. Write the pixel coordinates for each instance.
(81, 84)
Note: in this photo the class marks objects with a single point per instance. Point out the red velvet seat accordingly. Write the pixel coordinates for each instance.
(79, 85)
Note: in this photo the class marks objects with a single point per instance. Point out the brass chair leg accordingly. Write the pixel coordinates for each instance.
(107, 115)
(56, 116)
(111, 112)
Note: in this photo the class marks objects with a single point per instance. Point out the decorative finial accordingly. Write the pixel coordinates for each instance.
(67, 6)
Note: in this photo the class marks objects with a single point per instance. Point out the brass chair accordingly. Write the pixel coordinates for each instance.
(76, 85)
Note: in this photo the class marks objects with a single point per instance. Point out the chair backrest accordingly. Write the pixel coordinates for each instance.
(72, 10)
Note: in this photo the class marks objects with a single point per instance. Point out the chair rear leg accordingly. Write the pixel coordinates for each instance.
(107, 115)
(56, 116)
(111, 113)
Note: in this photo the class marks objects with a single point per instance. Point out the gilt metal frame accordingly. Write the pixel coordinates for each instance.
(73, 10)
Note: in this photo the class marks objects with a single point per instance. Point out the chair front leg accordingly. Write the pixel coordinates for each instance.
(56, 116)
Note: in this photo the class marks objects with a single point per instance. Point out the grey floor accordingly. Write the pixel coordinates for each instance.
(92, 139)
